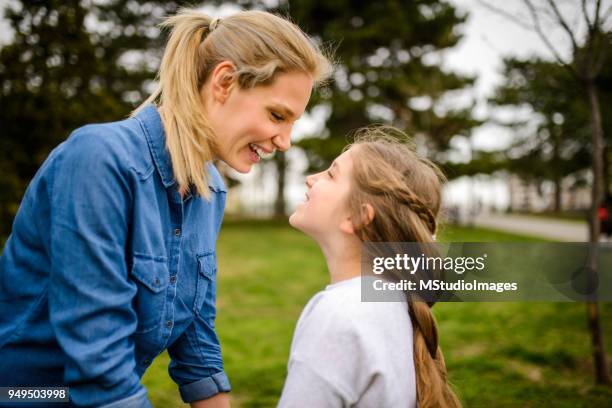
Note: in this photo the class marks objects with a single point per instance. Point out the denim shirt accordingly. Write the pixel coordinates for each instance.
(107, 266)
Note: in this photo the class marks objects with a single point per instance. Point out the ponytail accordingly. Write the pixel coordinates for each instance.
(189, 136)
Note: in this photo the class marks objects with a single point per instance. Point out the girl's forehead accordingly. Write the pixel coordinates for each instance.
(344, 162)
(351, 153)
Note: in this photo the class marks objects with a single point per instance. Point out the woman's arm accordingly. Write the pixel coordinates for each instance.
(196, 362)
(220, 400)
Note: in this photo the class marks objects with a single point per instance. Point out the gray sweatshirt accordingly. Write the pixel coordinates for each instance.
(349, 353)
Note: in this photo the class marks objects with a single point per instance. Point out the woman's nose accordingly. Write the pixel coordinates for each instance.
(282, 141)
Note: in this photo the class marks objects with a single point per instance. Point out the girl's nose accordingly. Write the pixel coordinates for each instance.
(310, 180)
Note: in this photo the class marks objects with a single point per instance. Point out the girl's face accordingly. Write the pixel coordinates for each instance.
(326, 209)
(249, 123)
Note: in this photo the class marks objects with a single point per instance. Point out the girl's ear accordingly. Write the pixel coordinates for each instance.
(367, 213)
(347, 227)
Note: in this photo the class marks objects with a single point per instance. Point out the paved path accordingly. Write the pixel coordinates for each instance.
(560, 230)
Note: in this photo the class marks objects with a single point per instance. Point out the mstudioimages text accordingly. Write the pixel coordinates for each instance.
(405, 285)
(411, 264)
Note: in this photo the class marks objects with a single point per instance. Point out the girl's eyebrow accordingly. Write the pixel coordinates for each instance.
(336, 166)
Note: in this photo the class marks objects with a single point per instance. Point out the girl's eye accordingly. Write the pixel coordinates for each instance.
(277, 117)
(329, 173)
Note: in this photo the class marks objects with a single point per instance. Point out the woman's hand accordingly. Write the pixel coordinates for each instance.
(220, 400)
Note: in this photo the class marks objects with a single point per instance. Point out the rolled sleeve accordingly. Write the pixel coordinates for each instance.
(205, 388)
(196, 364)
(90, 295)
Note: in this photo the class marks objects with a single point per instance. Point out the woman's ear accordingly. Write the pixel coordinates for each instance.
(222, 80)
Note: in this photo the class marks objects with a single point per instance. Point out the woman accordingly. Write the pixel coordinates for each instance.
(112, 256)
(347, 352)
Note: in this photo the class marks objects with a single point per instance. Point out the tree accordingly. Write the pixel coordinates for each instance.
(559, 144)
(589, 53)
(47, 84)
(70, 63)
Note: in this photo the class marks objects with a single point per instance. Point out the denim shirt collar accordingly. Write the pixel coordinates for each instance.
(156, 138)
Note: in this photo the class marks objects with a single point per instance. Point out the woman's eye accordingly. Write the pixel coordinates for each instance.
(329, 173)
(277, 117)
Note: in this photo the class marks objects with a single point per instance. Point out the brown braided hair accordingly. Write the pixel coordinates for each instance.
(404, 189)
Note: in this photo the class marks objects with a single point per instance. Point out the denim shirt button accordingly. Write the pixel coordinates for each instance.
(173, 280)
(177, 232)
(169, 323)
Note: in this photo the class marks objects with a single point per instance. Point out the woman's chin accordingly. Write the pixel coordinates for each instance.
(241, 164)
(242, 168)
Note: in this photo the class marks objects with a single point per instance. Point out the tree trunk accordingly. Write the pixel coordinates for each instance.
(599, 356)
(556, 164)
(606, 169)
(279, 204)
(557, 204)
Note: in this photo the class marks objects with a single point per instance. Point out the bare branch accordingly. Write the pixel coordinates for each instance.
(597, 10)
(563, 24)
(505, 14)
(543, 37)
(593, 38)
(586, 15)
(537, 27)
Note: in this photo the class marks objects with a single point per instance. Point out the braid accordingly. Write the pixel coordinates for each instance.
(432, 386)
(397, 189)
(405, 196)
(421, 317)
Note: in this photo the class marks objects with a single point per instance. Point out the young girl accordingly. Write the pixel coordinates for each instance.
(349, 353)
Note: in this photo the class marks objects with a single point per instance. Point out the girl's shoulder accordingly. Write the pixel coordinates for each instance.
(341, 308)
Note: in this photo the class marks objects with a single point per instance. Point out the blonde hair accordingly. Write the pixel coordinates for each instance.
(259, 44)
(404, 190)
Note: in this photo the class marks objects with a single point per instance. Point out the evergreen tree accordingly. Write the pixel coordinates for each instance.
(70, 63)
(560, 144)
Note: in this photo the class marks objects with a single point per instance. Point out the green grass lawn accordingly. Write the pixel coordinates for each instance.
(497, 354)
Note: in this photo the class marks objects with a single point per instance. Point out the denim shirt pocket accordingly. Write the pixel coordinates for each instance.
(207, 270)
(151, 277)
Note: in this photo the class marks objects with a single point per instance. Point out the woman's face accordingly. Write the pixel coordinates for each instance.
(326, 205)
(249, 123)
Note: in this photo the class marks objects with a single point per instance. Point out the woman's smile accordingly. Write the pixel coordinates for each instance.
(251, 124)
